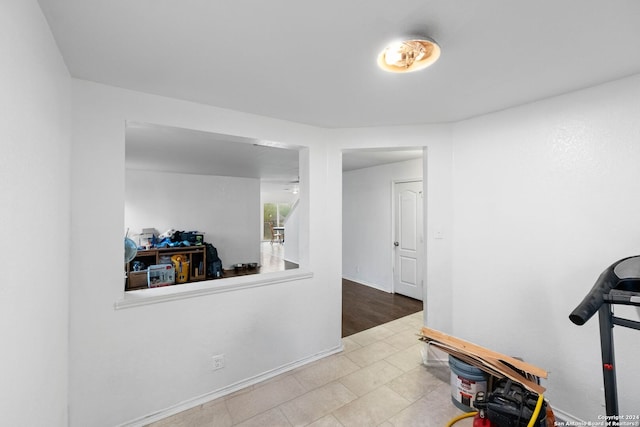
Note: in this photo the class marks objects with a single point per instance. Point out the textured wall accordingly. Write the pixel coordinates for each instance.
(545, 198)
(129, 363)
(34, 188)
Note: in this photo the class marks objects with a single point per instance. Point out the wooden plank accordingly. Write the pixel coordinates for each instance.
(491, 366)
(470, 360)
(467, 358)
(485, 353)
(517, 377)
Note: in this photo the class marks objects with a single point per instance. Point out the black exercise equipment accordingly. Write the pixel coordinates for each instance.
(618, 284)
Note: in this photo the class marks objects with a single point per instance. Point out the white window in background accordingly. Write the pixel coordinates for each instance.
(275, 214)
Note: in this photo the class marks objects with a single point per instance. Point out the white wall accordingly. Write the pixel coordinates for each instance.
(34, 187)
(367, 231)
(128, 363)
(226, 209)
(545, 198)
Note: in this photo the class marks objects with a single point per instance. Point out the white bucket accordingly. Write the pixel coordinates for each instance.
(466, 382)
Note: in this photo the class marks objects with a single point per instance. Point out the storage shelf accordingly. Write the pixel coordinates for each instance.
(197, 256)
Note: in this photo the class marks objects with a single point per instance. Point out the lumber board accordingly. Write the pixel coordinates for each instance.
(469, 347)
(492, 367)
(469, 360)
(492, 362)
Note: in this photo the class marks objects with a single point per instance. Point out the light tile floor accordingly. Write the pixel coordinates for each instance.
(378, 380)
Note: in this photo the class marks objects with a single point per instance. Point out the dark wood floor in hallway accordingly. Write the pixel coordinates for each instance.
(364, 307)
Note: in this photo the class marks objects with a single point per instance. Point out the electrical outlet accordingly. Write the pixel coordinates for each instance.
(218, 362)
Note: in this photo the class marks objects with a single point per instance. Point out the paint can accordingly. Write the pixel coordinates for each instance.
(466, 382)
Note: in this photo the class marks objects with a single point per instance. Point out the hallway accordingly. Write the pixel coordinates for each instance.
(272, 258)
(364, 307)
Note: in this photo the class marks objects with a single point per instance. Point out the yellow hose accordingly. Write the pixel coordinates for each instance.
(536, 411)
(461, 417)
(532, 421)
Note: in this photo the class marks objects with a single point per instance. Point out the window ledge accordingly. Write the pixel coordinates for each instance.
(195, 289)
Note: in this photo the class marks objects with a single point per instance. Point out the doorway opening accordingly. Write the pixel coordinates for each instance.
(368, 251)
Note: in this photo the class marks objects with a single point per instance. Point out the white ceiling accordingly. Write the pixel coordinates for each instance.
(169, 149)
(315, 62)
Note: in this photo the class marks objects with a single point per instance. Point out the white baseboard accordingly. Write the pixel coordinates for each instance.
(432, 357)
(565, 419)
(364, 282)
(431, 363)
(199, 400)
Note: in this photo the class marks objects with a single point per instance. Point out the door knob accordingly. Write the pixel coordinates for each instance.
(396, 244)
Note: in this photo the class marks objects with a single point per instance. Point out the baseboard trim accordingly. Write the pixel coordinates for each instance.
(565, 419)
(364, 282)
(432, 357)
(199, 400)
(440, 363)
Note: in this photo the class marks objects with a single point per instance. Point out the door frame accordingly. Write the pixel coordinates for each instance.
(423, 246)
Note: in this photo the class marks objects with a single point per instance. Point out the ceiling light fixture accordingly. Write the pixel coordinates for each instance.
(409, 55)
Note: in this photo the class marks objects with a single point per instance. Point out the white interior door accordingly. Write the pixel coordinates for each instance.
(408, 239)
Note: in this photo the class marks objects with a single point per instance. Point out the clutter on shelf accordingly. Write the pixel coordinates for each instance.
(149, 238)
(172, 257)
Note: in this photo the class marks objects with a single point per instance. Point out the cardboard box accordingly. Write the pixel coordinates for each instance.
(137, 279)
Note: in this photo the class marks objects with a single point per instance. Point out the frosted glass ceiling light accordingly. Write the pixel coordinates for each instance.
(408, 55)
